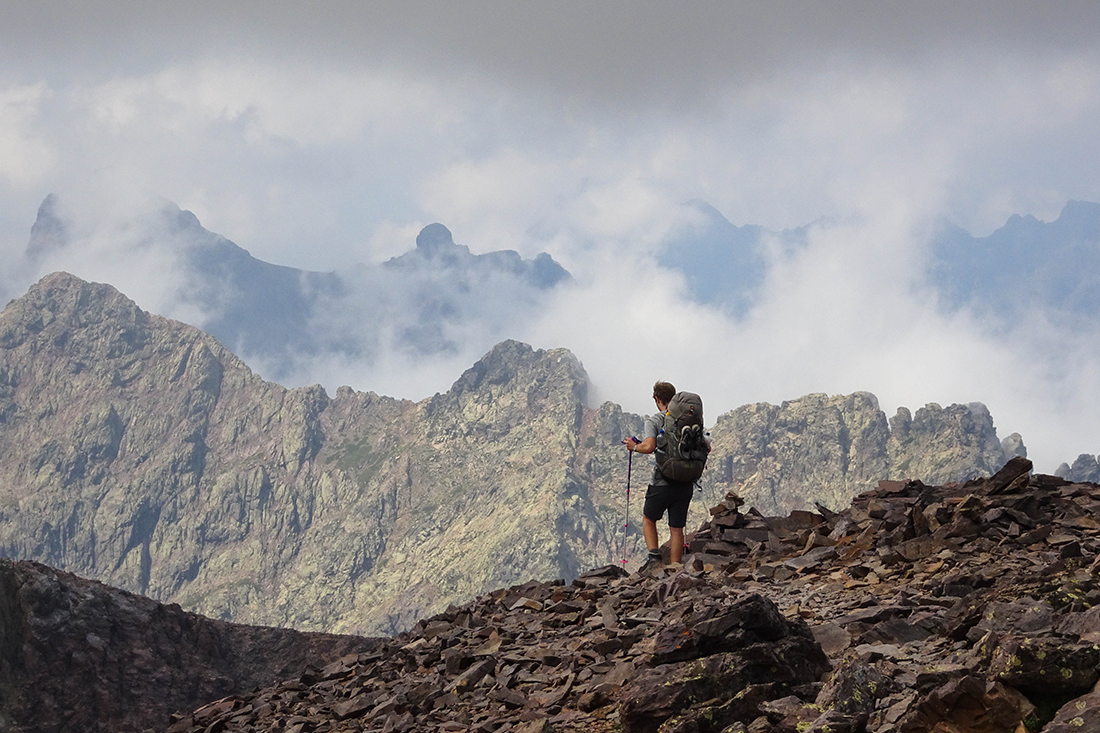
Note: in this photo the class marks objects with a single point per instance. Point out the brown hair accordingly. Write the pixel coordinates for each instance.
(664, 392)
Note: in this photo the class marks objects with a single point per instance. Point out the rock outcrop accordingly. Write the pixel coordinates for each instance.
(828, 449)
(76, 655)
(1084, 468)
(140, 452)
(970, 608)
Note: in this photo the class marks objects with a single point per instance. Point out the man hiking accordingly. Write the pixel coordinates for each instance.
(664, 494)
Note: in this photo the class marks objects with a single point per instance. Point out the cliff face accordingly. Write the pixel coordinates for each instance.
(140, 452)
(828, 449)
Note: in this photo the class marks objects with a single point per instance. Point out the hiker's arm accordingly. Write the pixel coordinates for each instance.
(646, 446)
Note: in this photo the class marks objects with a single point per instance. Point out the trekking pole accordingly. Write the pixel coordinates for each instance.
(626, 505)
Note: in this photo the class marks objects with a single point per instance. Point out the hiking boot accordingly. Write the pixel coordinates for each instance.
(653, 562)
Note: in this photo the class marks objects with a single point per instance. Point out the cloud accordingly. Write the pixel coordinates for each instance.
(321, 136)
(619, 51)
(24, 156)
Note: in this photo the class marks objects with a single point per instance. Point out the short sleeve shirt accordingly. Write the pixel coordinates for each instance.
(655, 428)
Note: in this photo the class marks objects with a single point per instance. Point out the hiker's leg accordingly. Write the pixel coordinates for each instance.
(677, 518)
(676, 552)
(649, 530)
(656, 501)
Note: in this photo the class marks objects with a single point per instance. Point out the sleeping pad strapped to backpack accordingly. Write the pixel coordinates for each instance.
(685, 442)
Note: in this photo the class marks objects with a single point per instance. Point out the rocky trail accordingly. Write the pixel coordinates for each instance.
(966, 608)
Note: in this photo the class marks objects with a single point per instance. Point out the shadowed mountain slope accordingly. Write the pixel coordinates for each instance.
(76, 655)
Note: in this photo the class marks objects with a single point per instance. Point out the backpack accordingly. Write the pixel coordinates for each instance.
(686, 445)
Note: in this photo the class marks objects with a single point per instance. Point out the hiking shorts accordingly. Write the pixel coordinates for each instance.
(673, 498)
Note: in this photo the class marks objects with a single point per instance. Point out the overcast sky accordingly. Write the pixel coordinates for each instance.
(320, 134)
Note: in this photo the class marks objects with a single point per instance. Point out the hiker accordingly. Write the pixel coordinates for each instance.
(663, 494)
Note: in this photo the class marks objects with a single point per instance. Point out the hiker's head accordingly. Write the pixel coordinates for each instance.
(663, 392)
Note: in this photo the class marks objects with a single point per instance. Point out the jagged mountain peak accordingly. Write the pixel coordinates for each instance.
(142, 452)
(1077, 220)
(65, 308)
(511, 358)
(159, 462)
(48, 232)
(1025, 267)
(1082, 219)
(96, 326)
(438, 260)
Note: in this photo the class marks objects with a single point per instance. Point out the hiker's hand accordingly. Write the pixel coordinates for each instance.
(630, 444)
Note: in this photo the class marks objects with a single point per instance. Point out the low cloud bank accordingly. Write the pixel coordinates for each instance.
(833, 310)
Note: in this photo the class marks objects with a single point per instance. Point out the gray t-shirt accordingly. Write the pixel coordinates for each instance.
(655, 428)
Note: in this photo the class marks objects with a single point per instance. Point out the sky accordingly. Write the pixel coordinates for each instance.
(325, 134)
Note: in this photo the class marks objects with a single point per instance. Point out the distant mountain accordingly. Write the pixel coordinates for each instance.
(439, 300)
(723, 264)
(828, 449)
(141, 452)
(1084, 468)
(432, 300)
(1025, 264)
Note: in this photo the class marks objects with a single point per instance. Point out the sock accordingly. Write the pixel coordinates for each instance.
(655, 554)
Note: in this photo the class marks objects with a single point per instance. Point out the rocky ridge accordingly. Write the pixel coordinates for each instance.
(76, 655)
(141, 452)
(828, 449)
(969, 608)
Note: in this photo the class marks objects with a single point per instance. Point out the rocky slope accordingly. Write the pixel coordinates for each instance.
(76, 655)
(966, 608)
(140, 452)
(963, 608)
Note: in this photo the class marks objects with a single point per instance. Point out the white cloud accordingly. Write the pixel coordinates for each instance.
(582, 135)
(26, 157)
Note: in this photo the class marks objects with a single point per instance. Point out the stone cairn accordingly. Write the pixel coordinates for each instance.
(971, 608)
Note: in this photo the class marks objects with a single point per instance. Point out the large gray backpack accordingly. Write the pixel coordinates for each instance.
(686, 446)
